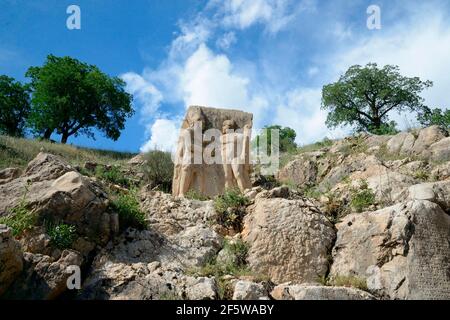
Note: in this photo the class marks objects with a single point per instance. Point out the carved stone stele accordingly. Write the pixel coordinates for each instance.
(213, 151)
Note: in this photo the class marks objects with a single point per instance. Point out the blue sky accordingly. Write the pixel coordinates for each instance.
(269, 57)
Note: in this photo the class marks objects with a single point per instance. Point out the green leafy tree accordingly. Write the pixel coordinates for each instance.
(364, 96)
(286, 138)
(73, 98)
(14, 106)
(435, 116)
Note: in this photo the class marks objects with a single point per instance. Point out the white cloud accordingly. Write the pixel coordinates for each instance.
(274, 14)
(193, 73)
(420, 48)
(146, 93)
(226, 41)
(163, 136)
(301, 112)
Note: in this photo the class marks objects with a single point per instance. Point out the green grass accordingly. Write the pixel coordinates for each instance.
(421, 175)
(231, 209)
(17, 152)
(349, 281)
(127, 207)
(19, 219)
(62, 236)
(112, 175)
(195, 195)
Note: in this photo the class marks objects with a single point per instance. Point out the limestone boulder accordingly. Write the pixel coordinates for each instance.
(437, 192)
(300, 171)
(440, 151)
(11, 261)
(314, 292)
(427, 137)
(116, 280)
(402, 142)
(441, 171)
(202, 288)
(54, 192)
(43, 277)
(248, 290)
(46, 166)
(289, 240)
(401, 250)
(8, 174)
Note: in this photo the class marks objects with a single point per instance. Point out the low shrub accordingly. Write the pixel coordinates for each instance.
(62, 236)
(231, 209)
(112, 175)
(362, 198)
(158, 169)
(127, 207)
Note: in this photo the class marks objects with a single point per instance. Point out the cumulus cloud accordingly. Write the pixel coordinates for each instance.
(420, 48)
(194, 73)
(146, 93)
(163, 136)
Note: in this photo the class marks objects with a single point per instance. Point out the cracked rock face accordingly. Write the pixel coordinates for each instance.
(314, 292)
(11, 263)
(289, 240)
(54, 191)
(403, 251)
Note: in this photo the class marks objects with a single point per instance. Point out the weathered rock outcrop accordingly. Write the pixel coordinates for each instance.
(43, 277)
(289, 240)
(54, 192)
(11, 263)
(247, 290)
(314, 292)
(403, 251)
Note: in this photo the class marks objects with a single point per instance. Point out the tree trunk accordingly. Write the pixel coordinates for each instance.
(47, 134)
(64, 137)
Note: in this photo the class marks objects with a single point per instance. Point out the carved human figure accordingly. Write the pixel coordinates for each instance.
(236, 155)
(188, 159)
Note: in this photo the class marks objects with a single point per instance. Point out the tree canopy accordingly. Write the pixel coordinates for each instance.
(435, 116)
(14, 106)
(364, 96)
(73, 98)
(286, 138)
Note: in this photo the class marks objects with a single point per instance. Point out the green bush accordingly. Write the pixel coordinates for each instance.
(362, 198)
(158, 170)
(62, 236)
(113, 175)
(231, 209)
(127, 207)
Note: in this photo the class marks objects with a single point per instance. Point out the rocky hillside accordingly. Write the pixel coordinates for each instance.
(366, 217)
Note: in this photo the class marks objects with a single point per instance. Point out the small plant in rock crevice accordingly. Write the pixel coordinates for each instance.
(20, 218)
(127, 207)
(362, 197)
(62, 236)
(231, 209)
